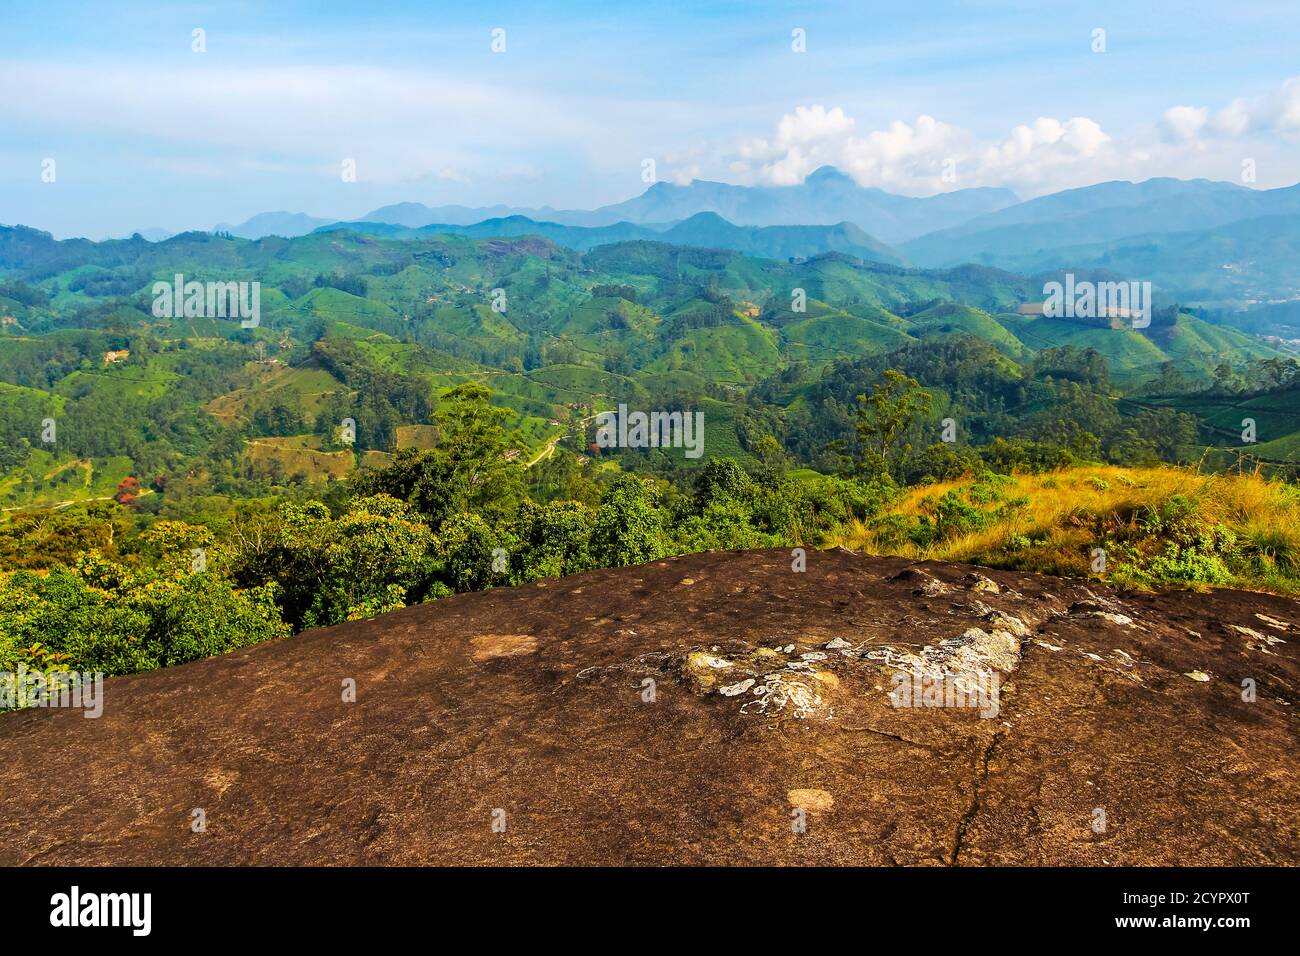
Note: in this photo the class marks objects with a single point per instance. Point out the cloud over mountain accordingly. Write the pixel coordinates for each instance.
(929, 154)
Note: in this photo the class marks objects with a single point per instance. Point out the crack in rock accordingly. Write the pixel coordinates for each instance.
(973, 810)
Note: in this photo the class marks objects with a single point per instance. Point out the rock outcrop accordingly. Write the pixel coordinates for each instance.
(716, 708)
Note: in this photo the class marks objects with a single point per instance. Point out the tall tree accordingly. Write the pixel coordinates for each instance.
(883, 418)
(468, 470)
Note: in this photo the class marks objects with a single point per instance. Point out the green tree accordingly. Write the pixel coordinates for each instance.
(467, 472)
(554, 539)
(896, 403)
(774, 463)
(721, 478)
(629, 527)
(328, 570)
(474, 555)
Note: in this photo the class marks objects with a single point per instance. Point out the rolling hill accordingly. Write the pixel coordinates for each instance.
(550, 329)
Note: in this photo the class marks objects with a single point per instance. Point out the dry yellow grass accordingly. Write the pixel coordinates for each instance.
(296, 455)
(1068, 511)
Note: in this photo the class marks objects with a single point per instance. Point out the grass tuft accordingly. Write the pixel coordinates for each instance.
(1157, 526)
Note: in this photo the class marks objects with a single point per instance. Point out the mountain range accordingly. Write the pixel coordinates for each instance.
(704, 230)
(1216, 244)
(1103, 213)
(348, 318)
(826, 197)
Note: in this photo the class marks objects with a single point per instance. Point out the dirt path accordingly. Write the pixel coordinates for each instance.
(56, 505)
(550, 446)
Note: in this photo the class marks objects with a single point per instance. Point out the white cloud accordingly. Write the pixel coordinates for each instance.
(1183, 123)
(1035, 157)
(1233, 119)
(1275, 112)
(804, 140)
(911, 156)
(808, 124)
(1281, 111)
(903, 152)
(1049, 140)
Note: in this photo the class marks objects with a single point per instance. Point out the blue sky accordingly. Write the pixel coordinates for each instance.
(145, 133)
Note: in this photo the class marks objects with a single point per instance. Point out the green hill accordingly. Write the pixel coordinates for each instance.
(374, 328)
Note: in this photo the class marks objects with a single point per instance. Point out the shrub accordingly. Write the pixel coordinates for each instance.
(953, 517)
(724, 524)
(473, 554)
(554, 538)
(1190, 565)
(629, 526)
(720, 478)
(101, 617)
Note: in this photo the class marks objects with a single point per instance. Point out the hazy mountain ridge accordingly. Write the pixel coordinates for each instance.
(826, 197)
(1117, 225)
(285, 224)
(704, 230)
(1247, 261)
(1104, 213)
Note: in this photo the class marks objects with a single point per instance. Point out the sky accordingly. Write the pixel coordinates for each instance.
(119, 117)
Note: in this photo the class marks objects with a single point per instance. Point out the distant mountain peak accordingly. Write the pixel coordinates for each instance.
(828, 196)
(707, 217)
(829, 174)
(279, 223)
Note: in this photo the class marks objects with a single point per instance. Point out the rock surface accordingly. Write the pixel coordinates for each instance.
(709, 709)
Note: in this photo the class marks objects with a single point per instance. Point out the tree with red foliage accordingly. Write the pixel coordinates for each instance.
(128, 489)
